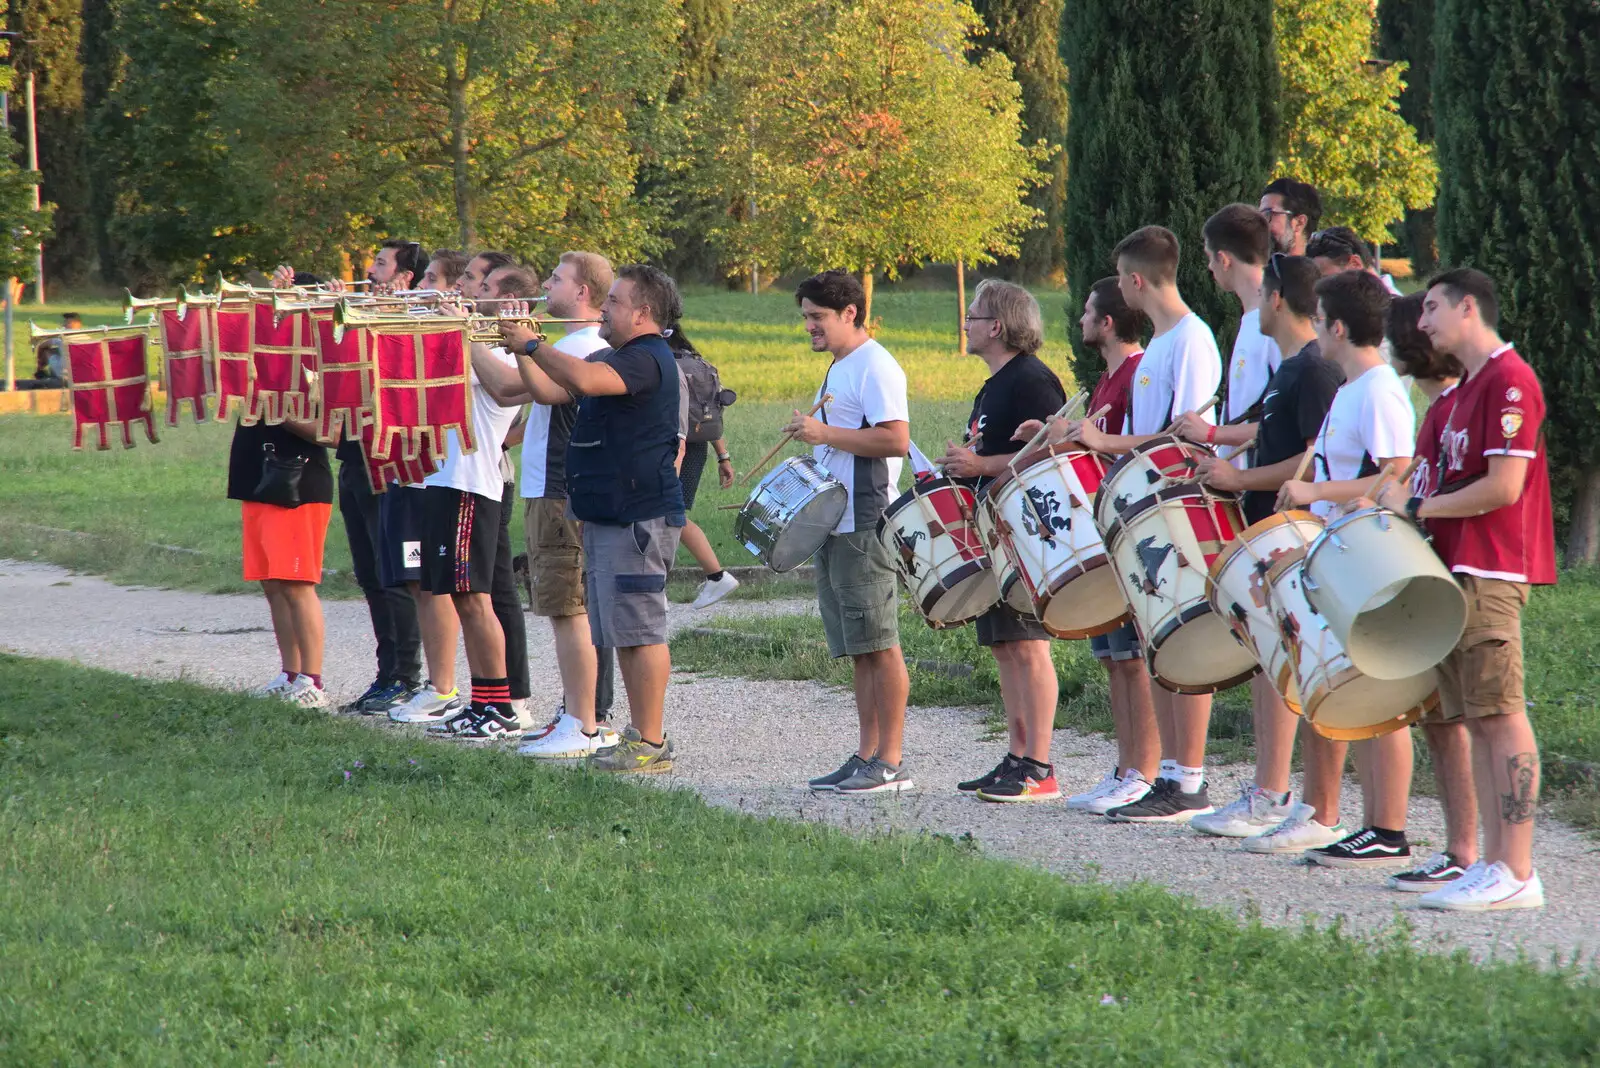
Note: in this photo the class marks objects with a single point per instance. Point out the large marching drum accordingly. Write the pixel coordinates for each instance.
(931, 532)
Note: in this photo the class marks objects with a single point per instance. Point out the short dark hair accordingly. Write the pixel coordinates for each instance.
(67, 317)
(495, 260)
(452, 264)
(1241, 232)
(1152, 251)
(836, 289)
(1359, 301)
(1299, 198)
(1414, 353)
(1468, 282)
(1106, 296)
(514, 282)
(1295, 279)
(408, 256)
(1339, 243)
(654, 288)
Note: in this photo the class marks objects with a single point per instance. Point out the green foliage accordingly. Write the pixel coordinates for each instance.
(1517, 125)
(1173, 114)
(24, 228)
(1405, 33)
(1028, 32)
(868, 140)
(1342, 129)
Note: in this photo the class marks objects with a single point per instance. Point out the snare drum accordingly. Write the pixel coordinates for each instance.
(1155, 465)
(1388, 597)
(1162, 548)
(1336, 697)
(1038, 524)
(1238, 591)
(791, 513)
(931, 533)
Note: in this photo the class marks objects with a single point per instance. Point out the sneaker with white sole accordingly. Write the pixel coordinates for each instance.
(1167, 802)
(1296, 834)
(1254, 811)
(464, 720)
(713, 591)
(1364, 849)
(1098, 790)
(1493, 889)
(489, 726)
(878, 777)
(566, 741)
(428, 705)
(1130, 788)
(281, 683)
(306, 694)
(1435, 873)
(828, 783)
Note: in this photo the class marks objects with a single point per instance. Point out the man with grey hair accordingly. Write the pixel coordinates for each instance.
(1005, 329)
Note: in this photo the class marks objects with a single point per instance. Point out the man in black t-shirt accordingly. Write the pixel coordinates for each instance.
(1005, 329)
(1297, 399)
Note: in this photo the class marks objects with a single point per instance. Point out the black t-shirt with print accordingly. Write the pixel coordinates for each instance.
(1297, 400)
(1023, 389)
(246, 459)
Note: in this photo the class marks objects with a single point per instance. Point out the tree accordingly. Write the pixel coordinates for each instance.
(869, 141)
(1517, 127)
(1342, 129)
(1405, 33)
(1027, 32)
(23, 227)
(1173, 114)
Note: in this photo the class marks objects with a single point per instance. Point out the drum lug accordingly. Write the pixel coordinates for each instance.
(1338, 543)
(1383, 521)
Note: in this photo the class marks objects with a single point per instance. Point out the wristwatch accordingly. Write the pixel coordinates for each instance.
(527, 350)
(1411, 509)
(724, 458)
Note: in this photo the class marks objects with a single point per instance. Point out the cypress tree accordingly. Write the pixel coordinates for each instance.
(1173, 115)
(1405, 32)
(1517, 127)
(1028, 33)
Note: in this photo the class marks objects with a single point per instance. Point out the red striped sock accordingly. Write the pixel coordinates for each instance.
(493, 693)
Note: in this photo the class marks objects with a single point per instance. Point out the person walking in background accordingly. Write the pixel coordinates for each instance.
(704, 398)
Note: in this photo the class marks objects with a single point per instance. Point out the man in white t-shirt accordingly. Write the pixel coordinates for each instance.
(859, 437)
(1369, 426)
(1179, 372)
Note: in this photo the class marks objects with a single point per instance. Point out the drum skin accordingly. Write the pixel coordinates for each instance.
(931, 532)
(1162, 549)
(791, 513)
(1038, 525)
(1157, 464)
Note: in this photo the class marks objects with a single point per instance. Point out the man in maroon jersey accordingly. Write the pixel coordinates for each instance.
(1491, 524)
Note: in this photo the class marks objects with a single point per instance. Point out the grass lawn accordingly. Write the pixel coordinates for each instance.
(193, 877)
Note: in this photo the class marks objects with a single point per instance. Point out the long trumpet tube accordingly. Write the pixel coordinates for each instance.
(132, 305)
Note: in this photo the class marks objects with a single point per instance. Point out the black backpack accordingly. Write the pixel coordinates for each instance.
(707, 398)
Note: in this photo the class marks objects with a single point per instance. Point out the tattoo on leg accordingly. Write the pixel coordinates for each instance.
(1518, 806)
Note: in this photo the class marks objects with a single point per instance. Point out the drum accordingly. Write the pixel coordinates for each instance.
(1387, 596)
(1037, 522)
(1336, 697)
(932, 533)
(1162, 549)
(1157, 464)
(791, 513)
(1237, 590)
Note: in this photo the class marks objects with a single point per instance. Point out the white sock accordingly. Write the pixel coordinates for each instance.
(1131, 773)
(1168, 770)
(1191, 778)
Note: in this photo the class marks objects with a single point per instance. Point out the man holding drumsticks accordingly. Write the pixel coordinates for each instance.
(860, 437)
(1005, 329)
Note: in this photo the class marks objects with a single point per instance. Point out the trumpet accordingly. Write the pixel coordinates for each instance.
(484, 329)
(37, 334)
(132, 305)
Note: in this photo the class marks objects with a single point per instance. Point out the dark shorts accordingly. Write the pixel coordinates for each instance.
(400, 534)
(625, 579)
(694, 465)
(462, 533)
(1120, 644)
(1002, 623)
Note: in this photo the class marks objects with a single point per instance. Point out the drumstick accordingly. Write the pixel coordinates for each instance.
(1383, 478)
(1305, 462)
(784, 441)
(1203, 406)
(1045, 429)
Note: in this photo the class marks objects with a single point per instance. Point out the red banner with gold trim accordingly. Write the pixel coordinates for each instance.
(282, 354)
(344, 377)
(422, 377)
(230, 338)
(396, 468)
(186, 361)
(110, 384)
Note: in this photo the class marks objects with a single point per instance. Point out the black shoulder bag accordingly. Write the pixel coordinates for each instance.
(280, 478)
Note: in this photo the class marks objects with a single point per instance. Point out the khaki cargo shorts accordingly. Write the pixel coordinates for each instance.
(555, 557)
(857, 595)
(1482, 676)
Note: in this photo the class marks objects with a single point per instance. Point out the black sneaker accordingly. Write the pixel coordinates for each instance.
(381, 689)
(462, 721)
(830, 782)
(1431, 874)
(491, 727)
(972, 786)
(1165, 803)
(1364, 849)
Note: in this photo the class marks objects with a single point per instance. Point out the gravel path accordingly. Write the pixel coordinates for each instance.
(225, 641)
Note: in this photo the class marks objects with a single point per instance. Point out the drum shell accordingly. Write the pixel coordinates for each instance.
(1162, 549)
(931, 534)
(1155, 465)
(1063, 577)
(1385, 593)
(790, 513)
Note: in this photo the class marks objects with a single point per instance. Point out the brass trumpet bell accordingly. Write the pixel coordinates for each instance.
(132, 305)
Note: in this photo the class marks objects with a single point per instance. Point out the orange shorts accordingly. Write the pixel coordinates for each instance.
(284, 543)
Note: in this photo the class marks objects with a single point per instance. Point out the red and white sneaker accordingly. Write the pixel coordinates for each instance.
(1492, 890)
(1024, 780)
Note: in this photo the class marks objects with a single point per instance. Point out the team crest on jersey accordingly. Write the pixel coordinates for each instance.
(1144, 380)
(1510, 423)
(1513, 394)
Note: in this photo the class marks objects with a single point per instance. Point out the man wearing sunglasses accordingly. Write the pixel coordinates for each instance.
(1339, 248)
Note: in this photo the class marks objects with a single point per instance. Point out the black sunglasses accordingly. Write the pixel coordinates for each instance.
(1274, 264)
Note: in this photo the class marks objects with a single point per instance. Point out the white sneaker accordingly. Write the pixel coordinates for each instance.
(305, 693)
(568, 742)
(1296, 834)
(428, 706)
(1083, 800)
(520, 709)
(1128, 789)
(712, 592)
(1251, 814)
(280, 684)
(1490, 890)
